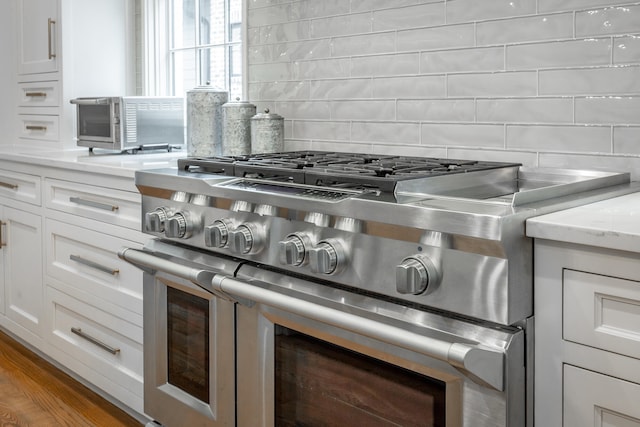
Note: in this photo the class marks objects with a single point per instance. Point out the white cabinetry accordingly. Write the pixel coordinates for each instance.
(38, 38)
(587, 336)
(21, 258)
(68, 49)
(93, 298)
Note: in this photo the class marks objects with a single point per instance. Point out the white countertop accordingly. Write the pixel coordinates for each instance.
(613, 224)
(81, 159)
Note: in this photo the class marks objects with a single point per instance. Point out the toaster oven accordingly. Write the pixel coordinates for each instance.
(130, 123)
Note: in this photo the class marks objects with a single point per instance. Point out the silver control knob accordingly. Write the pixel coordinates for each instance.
(178, 226)
(293, 249)
(415, 274)
(216, 235)
(326, 257)
(245, 239)
(154, 220)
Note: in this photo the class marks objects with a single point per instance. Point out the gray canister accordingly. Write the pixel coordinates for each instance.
(204, 121)
(236, 135)
(267, 133)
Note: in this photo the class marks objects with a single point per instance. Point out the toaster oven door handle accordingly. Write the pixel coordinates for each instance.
(484, 365)
(90, 101)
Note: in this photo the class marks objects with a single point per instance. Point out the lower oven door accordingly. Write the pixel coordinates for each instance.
(189, 346)
(309, 354)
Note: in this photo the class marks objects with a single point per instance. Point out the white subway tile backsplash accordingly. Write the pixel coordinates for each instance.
(576, 139)
(385, 65)
(376, 110)
(397, 132)
(626, 140)
(608, 109)
(443, 37)
(460, 60)
(463, 135)
(540, 82)
(520, 83)
(590, 81)
(525, 110)
(364, 44)
(423, 15)
(473, 10)
(612, 20)
(587, 52)
(330, 130)
(409, 87)
(626, 50)
(436, 110)
(525, 29)
(341, 89)
(555, 5)
(341, 25)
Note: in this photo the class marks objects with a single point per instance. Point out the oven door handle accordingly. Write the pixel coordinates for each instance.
(484, 365)
(152, 263)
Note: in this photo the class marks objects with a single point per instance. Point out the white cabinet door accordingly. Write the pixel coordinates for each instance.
(22, 253)
(38, 36)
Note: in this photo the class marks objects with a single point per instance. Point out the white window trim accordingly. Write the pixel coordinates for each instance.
(155, 40)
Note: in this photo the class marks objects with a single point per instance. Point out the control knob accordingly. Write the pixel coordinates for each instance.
(326, 257)
(293, 249)
(246, 238)
(216, 235)
(415, 274)
(154, 221)
(178, 226)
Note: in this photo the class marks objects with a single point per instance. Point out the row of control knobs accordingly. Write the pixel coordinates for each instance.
(413, 275)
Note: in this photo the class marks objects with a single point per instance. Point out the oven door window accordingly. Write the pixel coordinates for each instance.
(318, 383)
(188, 343)
(94, 120)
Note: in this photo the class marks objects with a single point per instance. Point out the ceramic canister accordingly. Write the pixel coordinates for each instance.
(236, 122)
(204, 121)
(267, 133)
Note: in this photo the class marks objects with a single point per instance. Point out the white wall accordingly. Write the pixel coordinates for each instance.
(7, 74)
(542, 82)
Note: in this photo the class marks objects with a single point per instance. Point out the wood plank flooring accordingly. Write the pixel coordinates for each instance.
(35, 393)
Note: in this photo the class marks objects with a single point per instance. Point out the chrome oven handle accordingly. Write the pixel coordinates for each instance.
(483, 364)
(147, 261)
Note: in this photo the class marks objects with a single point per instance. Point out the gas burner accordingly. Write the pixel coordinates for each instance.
(334, 169)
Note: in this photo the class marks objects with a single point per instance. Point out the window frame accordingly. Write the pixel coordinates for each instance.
(155, 60)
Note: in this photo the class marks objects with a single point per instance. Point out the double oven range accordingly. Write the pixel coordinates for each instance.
(316, 288)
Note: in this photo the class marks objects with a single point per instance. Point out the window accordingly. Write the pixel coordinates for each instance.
(191, 43)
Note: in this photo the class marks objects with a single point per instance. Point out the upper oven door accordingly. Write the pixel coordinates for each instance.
(189, 346)
(98, 122)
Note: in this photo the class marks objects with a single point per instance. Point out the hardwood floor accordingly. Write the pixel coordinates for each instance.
(35, 393)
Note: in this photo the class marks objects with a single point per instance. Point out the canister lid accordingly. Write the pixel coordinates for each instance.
(207, 88)
(238, 104)
(267, 116)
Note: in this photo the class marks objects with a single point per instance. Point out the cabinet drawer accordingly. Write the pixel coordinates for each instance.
(103, 204)
(87, 261)
(103, 349)
(592, 399)
(40, 127)
(602, 312)
(39, 94)
(20, 186)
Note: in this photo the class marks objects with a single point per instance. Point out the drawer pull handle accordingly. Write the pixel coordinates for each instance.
(36, 94)
(76, 258)
(50, 23)
(8, 185)
(95, 341)
(93, 204)
(38, 128)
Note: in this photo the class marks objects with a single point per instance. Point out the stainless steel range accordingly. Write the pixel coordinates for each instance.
(316, 288)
